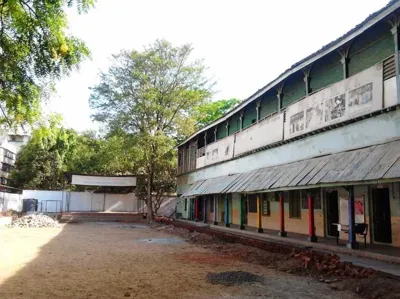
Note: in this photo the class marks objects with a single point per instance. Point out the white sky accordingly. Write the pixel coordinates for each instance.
(246, 44)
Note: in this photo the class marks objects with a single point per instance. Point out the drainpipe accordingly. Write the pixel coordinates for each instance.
(282, 232)
(311, 224)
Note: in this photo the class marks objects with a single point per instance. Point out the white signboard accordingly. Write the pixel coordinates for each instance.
(350, 98)
(87, 180)
(265, 132)
(359, 210)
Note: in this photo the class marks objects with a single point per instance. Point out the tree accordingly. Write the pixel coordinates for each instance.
(202, 115)
(206, 113)
(145, 94)
(35, 49)
(41, 163)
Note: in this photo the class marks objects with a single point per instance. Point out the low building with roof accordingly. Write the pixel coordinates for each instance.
(314, 152)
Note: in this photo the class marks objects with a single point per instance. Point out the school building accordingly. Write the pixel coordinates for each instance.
(314, 152)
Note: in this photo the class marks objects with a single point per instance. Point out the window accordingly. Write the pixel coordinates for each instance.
(6, 167)
(295, 204)
(185, 204)
(266, 206)
(3, 181)
(8, 154)
(252, 199)
(211, 201)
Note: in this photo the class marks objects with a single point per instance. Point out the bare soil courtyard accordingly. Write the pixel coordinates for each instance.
(115, 260)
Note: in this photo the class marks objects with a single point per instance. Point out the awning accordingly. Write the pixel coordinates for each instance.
(377, 162)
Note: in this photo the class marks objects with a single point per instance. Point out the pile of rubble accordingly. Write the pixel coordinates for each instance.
(35, 220)
(330, 264)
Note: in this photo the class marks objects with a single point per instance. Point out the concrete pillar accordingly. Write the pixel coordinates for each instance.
(258, 108)
(282, 231)
(259, 214)
(352, 243)
(227, 210)
(205, 209)
(307, 81)
(241, 120)
(215, 134)
(227, 128)
(345, 63)
(241, 212)
(216, 209)
(311, 223)
(279, 96)
(196, 209)
(395, 26)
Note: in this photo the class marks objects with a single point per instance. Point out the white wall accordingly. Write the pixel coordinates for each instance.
(55, 201)
(10, 201)
(267, 131)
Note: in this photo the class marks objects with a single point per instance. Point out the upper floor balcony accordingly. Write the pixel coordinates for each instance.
(346, 101)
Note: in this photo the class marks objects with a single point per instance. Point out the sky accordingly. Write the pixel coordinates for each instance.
(245, 44)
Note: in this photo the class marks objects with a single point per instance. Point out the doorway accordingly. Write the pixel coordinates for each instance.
(381, 215)
(191, 209)
(244, 209)
(332, 213)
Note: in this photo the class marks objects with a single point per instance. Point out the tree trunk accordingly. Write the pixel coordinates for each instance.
(149, 196)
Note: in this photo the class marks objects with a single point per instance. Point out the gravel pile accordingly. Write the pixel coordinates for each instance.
(35, 220)
(233, 278)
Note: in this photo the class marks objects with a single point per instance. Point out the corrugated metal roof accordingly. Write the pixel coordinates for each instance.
(366, 164)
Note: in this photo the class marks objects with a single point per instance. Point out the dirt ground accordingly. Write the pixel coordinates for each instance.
(113, 260)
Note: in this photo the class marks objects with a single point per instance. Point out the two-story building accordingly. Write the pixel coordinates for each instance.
(315, 149)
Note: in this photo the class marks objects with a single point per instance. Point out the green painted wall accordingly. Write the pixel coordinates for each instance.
(221, 130)
(370, 49)
(250, 114)
(234, 124)
(269, 105)
(293, 90)
(325, 72)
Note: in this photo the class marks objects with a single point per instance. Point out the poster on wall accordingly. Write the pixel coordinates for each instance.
(359, 210)
(358, 95)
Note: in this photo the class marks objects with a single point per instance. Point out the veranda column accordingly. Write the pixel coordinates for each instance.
(216, 209)
(227, 211)
(196, 209)
(282, 231)
(352, 243)
(311, 223)
(259, 218)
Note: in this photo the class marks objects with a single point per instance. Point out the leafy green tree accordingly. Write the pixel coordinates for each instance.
(206, 113)
(35, 50)
(145, 94)
(42, 162)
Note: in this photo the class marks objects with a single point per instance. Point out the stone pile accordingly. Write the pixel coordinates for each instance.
(330, 264)
(35, 220)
